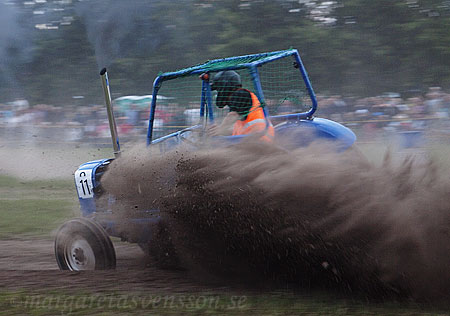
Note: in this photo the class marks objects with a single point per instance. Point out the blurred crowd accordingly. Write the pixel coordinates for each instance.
(70, 123)
(389, 113)
(369, 117)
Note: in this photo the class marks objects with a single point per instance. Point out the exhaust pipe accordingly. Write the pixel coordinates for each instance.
(109, 110)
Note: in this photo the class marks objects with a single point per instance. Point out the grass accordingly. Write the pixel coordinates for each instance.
(52, 303)
(34, 208)
(32, 217)
(7, 181)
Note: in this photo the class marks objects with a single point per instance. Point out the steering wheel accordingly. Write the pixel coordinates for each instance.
(197, 129)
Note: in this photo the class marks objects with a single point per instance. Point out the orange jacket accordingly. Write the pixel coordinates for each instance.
(255, 122)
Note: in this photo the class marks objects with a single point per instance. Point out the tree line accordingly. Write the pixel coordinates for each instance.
(371, 47)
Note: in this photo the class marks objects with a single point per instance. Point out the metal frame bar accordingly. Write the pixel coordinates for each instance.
(156, 86)
(206, 101)
(203, 100)
(209, 103)
(259, 92)
(312, 95)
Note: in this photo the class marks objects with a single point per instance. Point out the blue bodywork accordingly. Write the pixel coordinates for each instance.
(300, 128)
(90, 169)
(301, 133)
(87, 182)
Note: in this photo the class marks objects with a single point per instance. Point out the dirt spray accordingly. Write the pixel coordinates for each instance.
(310, 217)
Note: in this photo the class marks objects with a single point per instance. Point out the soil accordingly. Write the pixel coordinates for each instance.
(30, 264)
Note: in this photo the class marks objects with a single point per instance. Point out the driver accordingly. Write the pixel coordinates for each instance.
(246, 115)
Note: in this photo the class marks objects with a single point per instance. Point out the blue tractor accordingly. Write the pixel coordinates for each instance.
(281, 84)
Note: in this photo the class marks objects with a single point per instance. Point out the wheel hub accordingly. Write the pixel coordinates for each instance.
(79, 255)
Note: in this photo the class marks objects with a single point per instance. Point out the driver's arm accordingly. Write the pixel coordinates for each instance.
(226, 127)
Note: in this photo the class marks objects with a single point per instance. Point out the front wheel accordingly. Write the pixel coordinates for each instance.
(82, 244)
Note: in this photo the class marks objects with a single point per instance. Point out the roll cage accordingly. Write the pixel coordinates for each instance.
(249, 62)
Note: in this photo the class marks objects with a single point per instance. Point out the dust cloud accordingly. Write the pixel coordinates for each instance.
(310, 217)
(29, 162)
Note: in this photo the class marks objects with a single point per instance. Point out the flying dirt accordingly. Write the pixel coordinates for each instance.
(310, 217)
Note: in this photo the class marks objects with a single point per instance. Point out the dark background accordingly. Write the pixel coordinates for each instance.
(51, 51)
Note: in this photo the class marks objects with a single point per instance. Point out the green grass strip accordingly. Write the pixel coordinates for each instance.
(33, 216)
(52, 303)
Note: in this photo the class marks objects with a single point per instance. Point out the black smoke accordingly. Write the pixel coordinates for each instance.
(116, 28)
(15, 46)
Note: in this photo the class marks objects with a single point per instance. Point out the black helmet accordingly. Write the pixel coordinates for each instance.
(225, 82)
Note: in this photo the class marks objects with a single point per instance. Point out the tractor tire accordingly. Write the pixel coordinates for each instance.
(82, 244)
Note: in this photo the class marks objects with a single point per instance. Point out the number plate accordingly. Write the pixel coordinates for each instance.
(83, 180)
